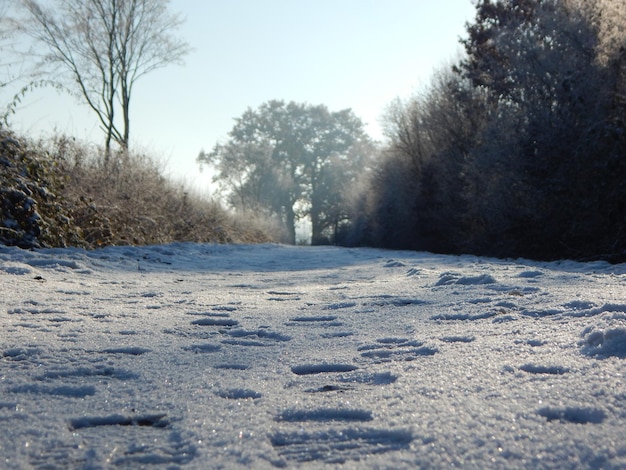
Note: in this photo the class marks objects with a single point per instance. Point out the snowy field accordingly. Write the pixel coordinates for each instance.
(203, 356)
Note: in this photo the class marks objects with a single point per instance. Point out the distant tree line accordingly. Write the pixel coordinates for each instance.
(517, 150)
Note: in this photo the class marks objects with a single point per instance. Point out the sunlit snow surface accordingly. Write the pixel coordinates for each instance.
(202, 356)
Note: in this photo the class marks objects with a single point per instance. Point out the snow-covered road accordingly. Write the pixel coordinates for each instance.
(204, 356)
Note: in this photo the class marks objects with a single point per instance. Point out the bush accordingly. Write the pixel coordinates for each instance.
(61, 193)
(31, 213)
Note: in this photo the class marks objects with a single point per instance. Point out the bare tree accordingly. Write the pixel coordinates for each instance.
(101, 48)
(11, 70)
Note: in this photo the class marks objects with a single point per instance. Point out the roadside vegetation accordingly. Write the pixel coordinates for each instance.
(61, 193)
(517, 148)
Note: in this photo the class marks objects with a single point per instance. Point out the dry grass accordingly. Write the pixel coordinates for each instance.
(129, 201)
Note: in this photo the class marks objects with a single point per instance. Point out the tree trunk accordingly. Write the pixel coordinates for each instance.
(290, 216)
(316, 229)
(126, 115)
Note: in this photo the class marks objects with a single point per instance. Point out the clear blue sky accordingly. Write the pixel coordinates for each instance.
(358, 54)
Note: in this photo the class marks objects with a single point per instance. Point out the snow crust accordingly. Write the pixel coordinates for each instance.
(204, 356)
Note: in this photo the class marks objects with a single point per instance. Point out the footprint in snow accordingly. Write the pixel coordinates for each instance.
(358, 378)
(393, 301)
(392, 263)
(239, 394)
(576, 415)
(549, 370)
(35, 311)
(130, 350)
(339, 305)
(213, 321)
(232, 366)
(338, 334)
(310, 321)
(324, 415)
(22, 354)
(209, 314)
(338, 446)
(150, 420)
(321, 318)
(259, 337)
(329, 388)
(395, 349)
(317, 320)
(530, 274)
(369, 378)
(281, 296)
(464, 316)
(161, 442)
(312, 369)
(603, 343)
(219, 316)
(202, 348)
(457, 339)
(68, 391)
(224, 308)
(82, 373)
(453, 278)
(244, 342)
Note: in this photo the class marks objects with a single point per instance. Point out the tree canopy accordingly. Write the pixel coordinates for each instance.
(292, 160)
(517, 150)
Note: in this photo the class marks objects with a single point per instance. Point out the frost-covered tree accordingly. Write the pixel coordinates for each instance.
(291, 160)
(98, 49)
(417, 195)
(557, 133)
(519, 152)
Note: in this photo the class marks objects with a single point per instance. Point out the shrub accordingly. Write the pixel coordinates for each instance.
(31, 213)
(130, 201)
(59, 193)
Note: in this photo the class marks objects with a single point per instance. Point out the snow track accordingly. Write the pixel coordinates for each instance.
(203, 356)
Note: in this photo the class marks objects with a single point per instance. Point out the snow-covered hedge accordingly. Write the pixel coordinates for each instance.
(59, 192)
(31, 213)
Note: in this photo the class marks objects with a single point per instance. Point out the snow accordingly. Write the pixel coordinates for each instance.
(204, 356)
